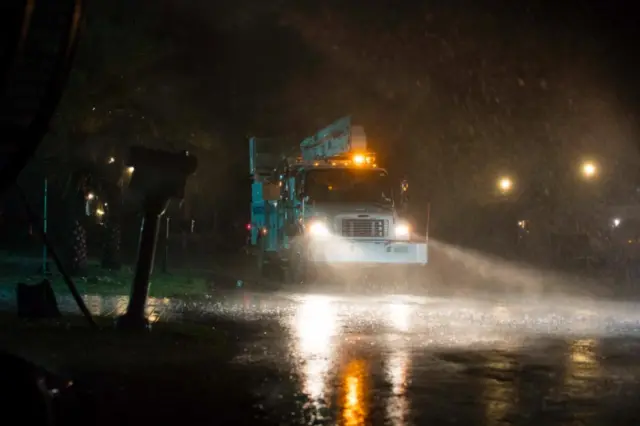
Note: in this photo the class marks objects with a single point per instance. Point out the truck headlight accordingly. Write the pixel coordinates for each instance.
(403, 230)
(318, 229)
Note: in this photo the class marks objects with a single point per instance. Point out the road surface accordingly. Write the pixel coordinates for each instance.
(402, 360)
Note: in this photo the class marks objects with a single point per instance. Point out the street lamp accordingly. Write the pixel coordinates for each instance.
(589, 169)
(505, 185)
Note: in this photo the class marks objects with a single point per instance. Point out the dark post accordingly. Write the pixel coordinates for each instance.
(165, 260)
(158, 177)
(146, 253)
(191, 229)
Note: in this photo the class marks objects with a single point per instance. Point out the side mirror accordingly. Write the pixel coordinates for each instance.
(404, 194)
(404, 186)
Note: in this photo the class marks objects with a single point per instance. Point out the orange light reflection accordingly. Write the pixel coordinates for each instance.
(354, 405)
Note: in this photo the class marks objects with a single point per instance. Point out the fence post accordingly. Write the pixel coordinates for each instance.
(45, 270)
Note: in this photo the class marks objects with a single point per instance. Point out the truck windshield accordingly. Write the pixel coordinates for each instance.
(348, 185)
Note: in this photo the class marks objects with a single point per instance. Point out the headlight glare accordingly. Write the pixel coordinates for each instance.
(318, 229)
(402, 230)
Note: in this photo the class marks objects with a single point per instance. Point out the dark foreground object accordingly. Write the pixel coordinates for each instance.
(37, 301)
(24, 398)
(159, 176)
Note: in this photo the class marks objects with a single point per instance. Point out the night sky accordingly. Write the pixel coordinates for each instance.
(451, 92)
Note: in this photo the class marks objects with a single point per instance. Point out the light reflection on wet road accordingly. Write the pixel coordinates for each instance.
(402, 361)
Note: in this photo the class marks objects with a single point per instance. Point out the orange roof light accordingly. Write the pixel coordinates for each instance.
(359, 159)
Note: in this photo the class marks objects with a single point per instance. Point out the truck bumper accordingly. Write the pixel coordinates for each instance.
(363, 253)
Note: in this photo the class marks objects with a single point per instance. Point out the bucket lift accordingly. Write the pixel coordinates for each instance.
(337, 139)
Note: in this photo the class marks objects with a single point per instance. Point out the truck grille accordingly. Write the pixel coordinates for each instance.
(371, 228)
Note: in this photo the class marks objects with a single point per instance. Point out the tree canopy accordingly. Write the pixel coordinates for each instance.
(454, 96)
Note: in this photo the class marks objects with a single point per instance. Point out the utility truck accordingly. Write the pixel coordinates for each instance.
(328, 210)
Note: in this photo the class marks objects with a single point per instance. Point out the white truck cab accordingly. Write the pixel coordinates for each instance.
(330, 209)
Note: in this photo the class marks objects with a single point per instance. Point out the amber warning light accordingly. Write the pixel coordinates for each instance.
(362, 159)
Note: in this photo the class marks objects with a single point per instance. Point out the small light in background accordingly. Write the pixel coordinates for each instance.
(99, 212)
(589, 169)
(111, 160)
(505, 185)
(616, 222)
(130, 169)
(91, 196)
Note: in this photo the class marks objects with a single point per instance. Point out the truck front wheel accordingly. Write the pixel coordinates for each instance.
(260, 260)
(298, 270)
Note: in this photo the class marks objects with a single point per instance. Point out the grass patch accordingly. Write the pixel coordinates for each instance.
(119, 282)
(103, 282)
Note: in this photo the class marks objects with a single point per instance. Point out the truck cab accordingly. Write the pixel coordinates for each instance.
(330, 208)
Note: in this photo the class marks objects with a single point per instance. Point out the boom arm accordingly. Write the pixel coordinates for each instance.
(336, 139)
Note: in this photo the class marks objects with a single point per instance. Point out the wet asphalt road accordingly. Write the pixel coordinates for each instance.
(452, 361)
(356, 360)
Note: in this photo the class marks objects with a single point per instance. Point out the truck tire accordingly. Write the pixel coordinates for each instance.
(297, 269)
(260, 261)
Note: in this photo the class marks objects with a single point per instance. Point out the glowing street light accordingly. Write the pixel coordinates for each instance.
(589, 169)
(505, 185)
(616, 222)
(130, 170)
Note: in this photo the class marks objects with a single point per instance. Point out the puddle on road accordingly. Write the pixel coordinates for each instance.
(357, 358)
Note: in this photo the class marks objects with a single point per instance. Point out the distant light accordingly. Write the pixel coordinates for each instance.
(130, 169)
(616, 222)
(112, 160)
(589, 169)
(505, 184)
(91, 196)
(100, 212)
